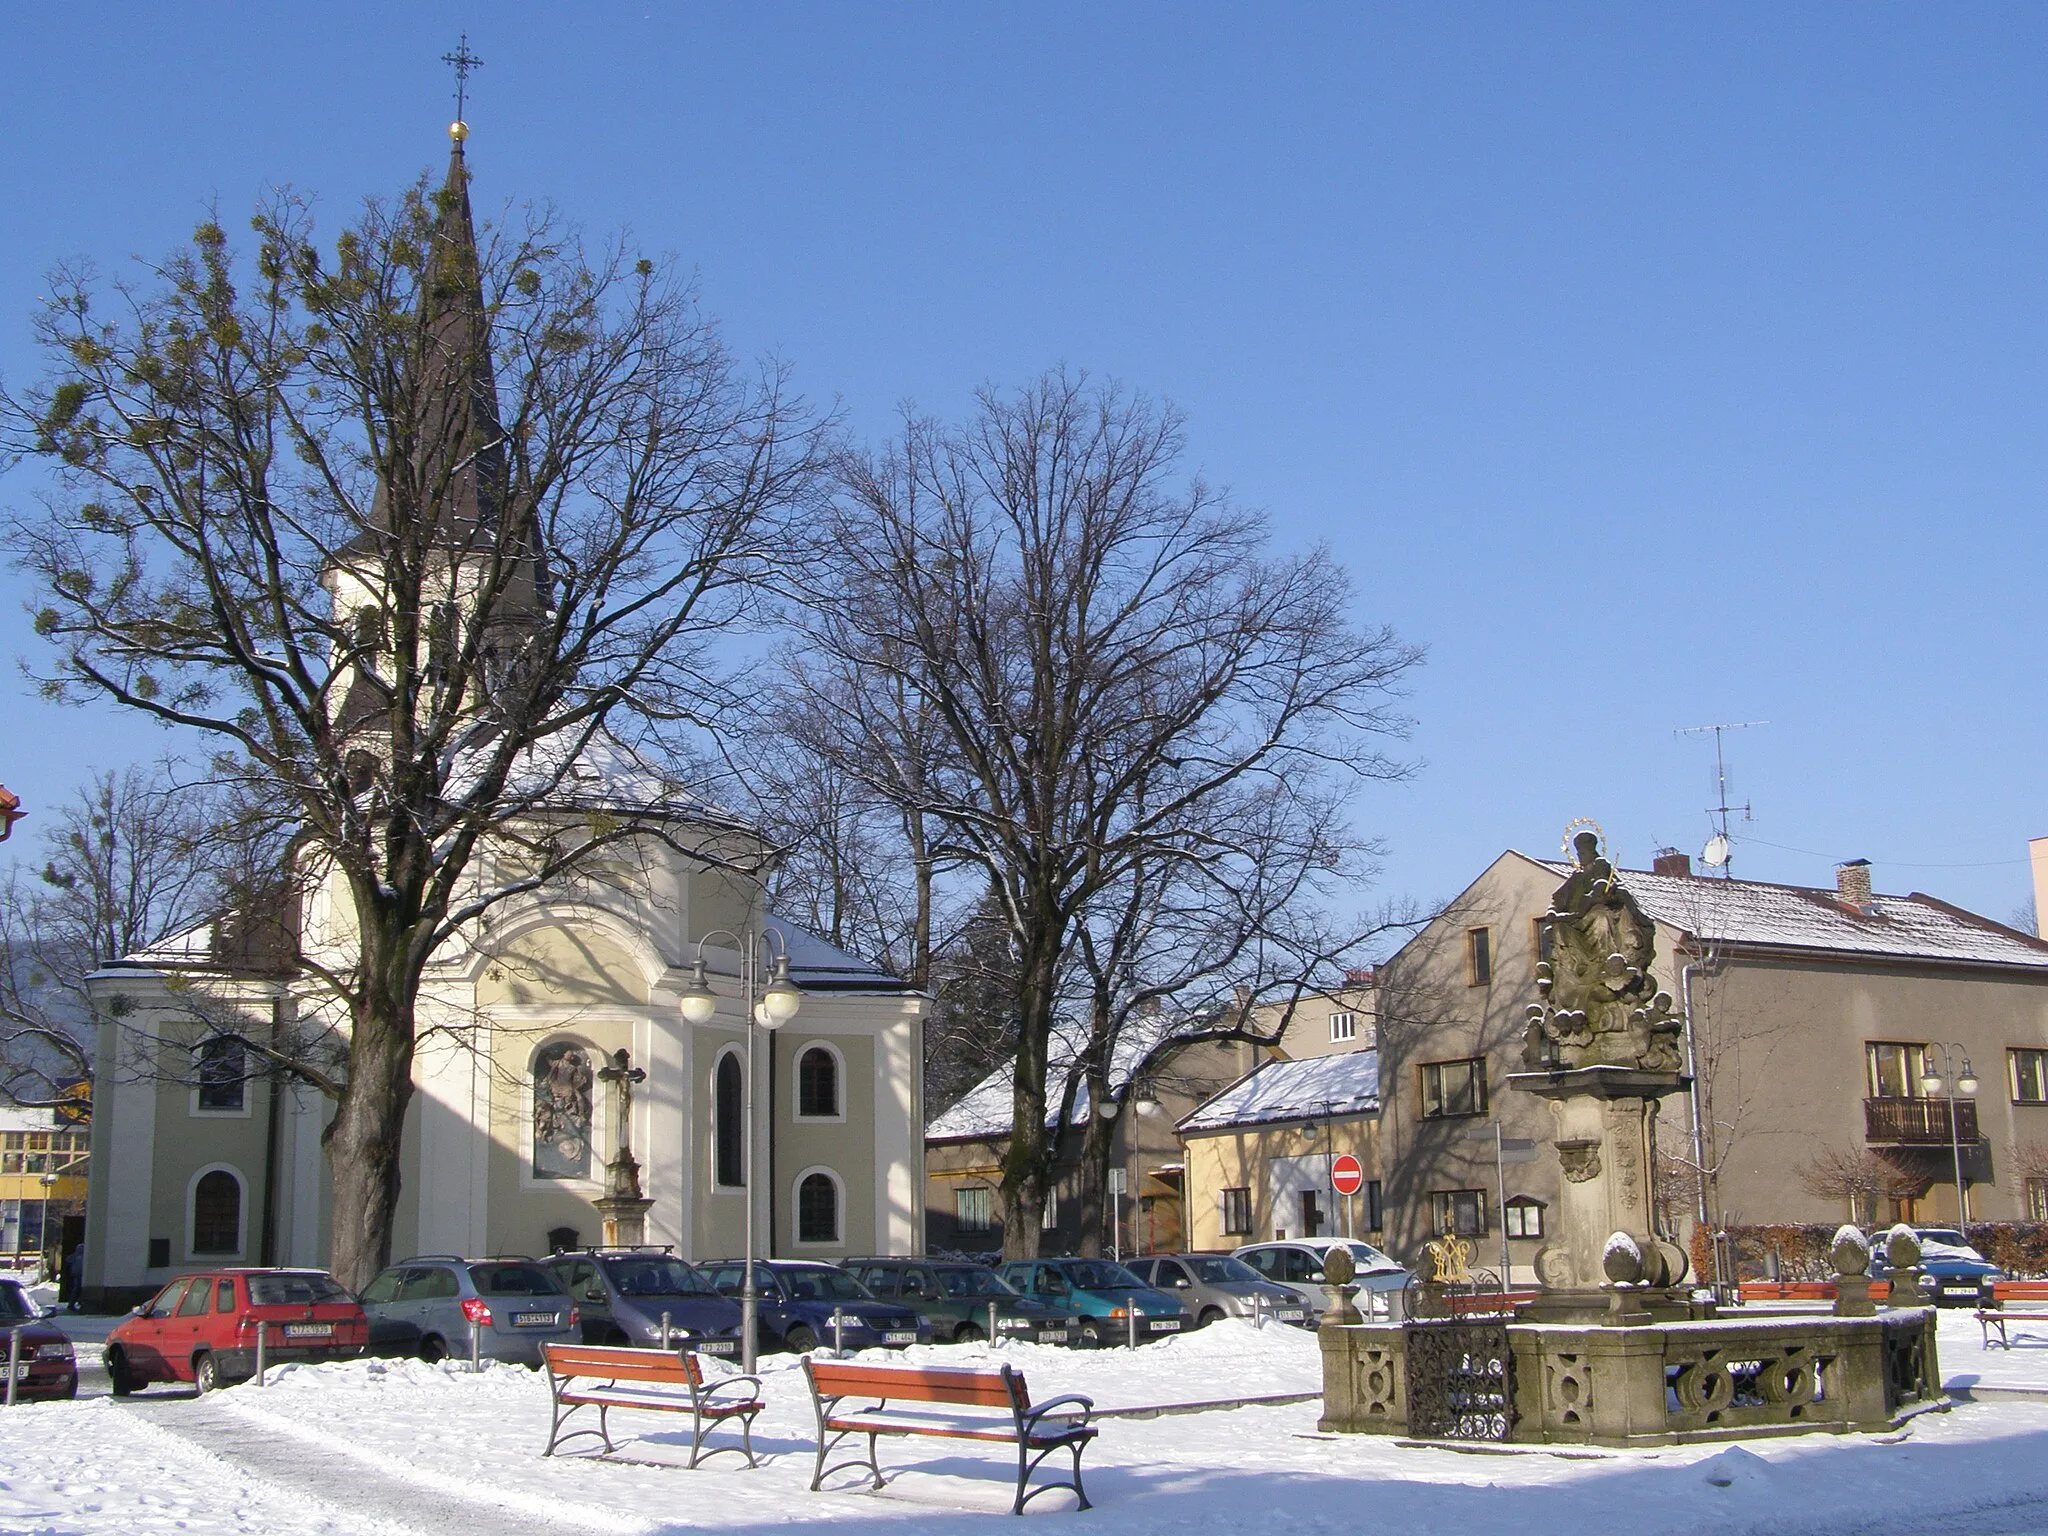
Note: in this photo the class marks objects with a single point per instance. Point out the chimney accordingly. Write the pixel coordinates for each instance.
(1358, 977)
(1852, 884)
(1669, 861)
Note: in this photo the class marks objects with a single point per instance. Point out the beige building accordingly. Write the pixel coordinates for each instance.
(1816, 1015)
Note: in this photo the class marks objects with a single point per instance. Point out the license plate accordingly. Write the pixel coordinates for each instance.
(309, 1330)
(1165, 1325)
(716, 1346)
(899, 1338)
(1293, 1315)
(1053, 1336)
(533, 1319)
(21, 1369)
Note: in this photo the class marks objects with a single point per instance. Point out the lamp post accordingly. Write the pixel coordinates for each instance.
(49, 1194)
(777, 1005)
(1965, 1084)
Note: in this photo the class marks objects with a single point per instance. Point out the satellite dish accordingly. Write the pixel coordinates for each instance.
(1715, 854)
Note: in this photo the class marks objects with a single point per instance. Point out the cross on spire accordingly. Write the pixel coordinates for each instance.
(462, 61)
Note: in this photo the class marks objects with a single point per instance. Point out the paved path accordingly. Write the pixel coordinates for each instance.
(354, 1494)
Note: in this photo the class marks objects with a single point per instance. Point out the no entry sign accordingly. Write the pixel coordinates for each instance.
(1347, 1175)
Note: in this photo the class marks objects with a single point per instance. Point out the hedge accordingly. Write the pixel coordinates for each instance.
(2019, 1248)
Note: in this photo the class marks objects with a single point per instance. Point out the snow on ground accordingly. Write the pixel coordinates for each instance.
(349, 1444)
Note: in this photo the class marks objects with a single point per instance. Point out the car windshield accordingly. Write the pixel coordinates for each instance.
(513, 1280)
(973, 1280)
(1215, 1269)
(14, 1302)
(1369, 1257)
(294, 1290)
(656, 1275)
(1947, 1245)
(1093, 1275)
(823, 1283)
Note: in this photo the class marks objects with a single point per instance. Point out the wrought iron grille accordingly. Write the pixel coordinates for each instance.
(1461, 1380)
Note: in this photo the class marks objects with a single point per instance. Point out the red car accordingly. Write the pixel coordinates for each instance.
(202, 1328)
(44, 1364)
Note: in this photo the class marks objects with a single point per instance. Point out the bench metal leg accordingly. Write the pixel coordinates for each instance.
(1028, 1464)
(559, 1435)
(828, 1443)
(699, 1429)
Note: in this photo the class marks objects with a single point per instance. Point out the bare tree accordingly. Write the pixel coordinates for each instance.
(129, 860)
(1860, 1178)
(1077, 666)
(409, 527)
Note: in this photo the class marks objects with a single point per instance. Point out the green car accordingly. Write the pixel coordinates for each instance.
(956, 1297)
(1104, 1294)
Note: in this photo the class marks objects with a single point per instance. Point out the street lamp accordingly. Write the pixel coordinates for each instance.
(49, 1193)
(1931, 1084)
(777, 1005)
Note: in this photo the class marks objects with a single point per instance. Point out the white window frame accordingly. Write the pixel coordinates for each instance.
(796, 1211)
(1343, 1027)
(988, 1193)
(241, 1214)
(796, 1083)
(1517, 1203)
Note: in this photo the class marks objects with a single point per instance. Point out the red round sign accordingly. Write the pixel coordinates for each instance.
(1347, 1175)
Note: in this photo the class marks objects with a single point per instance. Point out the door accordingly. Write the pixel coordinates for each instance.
(586, 1286)
(144, 1345)
(184, 1331)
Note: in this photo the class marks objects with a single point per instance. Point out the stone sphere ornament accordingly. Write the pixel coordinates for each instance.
(1901, 1247)
(1850, 1251)
(1339, 1268)
(1621, 1260)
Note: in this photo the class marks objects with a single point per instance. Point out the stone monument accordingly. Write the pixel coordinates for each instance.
(1603, 1047)
(622, 1207)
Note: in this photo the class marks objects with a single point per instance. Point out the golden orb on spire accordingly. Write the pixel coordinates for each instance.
(458, 130)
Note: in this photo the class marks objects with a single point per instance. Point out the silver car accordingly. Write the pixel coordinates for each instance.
(1214, 1287)
(1297, 1263)
(436, 1305)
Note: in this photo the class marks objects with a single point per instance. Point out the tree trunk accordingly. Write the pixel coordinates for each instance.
(1098, 1143)
(1027, 1167)
(364, 1139)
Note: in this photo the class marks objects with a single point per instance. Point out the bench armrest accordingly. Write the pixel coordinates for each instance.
(1072, 1406)
(752, 1384)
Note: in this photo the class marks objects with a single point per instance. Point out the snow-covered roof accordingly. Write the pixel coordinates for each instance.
(1914, 927)
(605, 774)
(820, 967)
(1347, 1083)
(986, 1109)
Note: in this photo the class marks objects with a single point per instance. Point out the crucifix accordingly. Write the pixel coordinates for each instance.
(463, 61)
(622, 1075)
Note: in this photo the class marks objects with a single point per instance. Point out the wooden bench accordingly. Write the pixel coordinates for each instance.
(2032, 1299)
(1805, 1290)
(654, 1380)
(952, 1404)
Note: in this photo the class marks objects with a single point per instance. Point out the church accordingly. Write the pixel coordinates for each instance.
(587, 1071)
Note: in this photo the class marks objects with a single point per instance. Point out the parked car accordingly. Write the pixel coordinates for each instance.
(434, 1305)
(800, 1298)
(955, 1298)
(203, 1328)
(1962, 1276)
(1105, 1296)
(1297, 1264)
(44, 1363)
(1214, 1286)
(623, 1294)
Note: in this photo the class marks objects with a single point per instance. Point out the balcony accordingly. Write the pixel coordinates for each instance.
(1917, 1122)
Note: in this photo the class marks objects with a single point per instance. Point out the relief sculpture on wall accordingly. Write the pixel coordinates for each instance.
(562, 1082)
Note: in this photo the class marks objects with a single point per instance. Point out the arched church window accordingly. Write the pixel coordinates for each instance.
(223, 1074)
(728, 1121)
(817, 1084)
(217, 1214)
(817, 1208)
(561, 1111)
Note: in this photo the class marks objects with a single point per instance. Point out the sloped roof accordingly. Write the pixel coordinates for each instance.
(1347, 1083)
(1754, 912)
(985, 1110)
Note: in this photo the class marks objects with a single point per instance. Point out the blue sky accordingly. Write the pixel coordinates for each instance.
(1653, 365)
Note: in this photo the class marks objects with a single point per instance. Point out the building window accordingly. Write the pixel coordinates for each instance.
(1237, 1212)
(216, 1214)
(2037, 1199)
(974, 1209)
(1343, 1028)
(562, 1081)
(728, 1121)
(1051, 1218)
(817, 1084)
(1524, 1217)
(1479, 956)
(1375, 1215)
(1452, 1088)
(2029, 1077)
(223, 1074)
(1461, 1212)
(817, 1208)
(1542, 938)
(1895, 1069)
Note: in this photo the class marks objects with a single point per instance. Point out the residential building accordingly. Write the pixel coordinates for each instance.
(44, 1162)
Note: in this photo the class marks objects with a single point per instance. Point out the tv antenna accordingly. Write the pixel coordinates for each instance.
(1720, 849)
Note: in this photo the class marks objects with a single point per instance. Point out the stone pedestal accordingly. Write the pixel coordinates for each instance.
(625, 1221)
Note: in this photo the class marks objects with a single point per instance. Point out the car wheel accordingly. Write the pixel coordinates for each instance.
(968, 1333)
(206, 1374)
(801, 1339)
(117, 1373)
(433, 1349)
(1209, 1315)
(619, 1339)
(1091, 1334)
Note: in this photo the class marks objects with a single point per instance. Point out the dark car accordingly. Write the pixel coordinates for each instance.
(625, 1295)
(1962, 1276)
(958, 1300)
(203, 1328)
(492, 1309)
(805, 1304)
(44, 1364)
(1105, 1295)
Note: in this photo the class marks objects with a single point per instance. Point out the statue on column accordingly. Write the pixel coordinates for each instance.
(623, 1207)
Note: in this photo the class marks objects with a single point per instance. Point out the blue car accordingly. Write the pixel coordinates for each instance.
(1962, 1276)
(806, 1304)
(1103, 1294)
